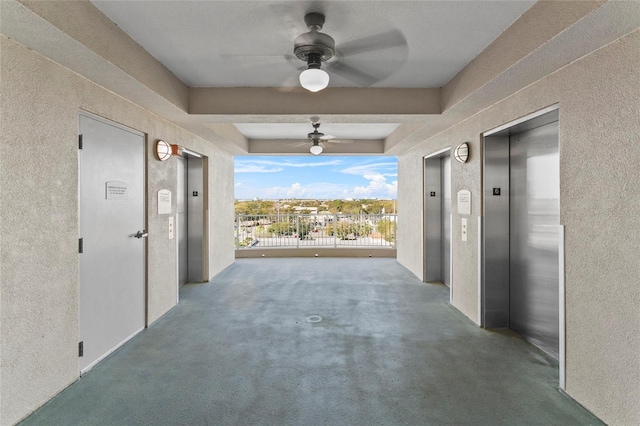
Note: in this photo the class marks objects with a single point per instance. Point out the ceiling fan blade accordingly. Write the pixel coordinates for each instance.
(299, 144)
(249, 60)
(287, 18)
(381, 41)
(249, 57)
(338, 141)
(354, 75)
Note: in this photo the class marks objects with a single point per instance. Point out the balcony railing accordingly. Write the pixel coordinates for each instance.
(315, 230)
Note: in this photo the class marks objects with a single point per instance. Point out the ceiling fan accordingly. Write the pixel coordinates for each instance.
(316, 48)
(318, 139)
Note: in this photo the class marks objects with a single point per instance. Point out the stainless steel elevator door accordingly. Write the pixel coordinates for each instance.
(534, 236)
(112, 261)
(433, 219)
(445, 170)
(181, 221)
(195, 220)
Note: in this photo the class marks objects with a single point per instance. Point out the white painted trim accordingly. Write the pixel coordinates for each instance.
(521, 120)
(109, 352)
(437, 153)
(191, 153)
(562, 309)
(480, 254)
(114, 124)
(423, 252)
(206, 237)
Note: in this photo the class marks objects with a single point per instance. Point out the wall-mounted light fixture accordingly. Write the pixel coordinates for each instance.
(163, 150)
(461, 153)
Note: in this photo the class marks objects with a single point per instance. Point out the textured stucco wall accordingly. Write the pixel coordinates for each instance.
(40, 103)
(599, 128)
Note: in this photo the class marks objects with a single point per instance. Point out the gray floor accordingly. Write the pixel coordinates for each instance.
(388, 350)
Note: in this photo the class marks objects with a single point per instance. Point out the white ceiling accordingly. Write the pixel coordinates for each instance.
(250, 43)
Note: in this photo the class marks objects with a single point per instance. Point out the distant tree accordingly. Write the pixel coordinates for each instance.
(387, 228)
(255, 207)
(335, 206)
(345, 230)
(290, 229)
(268, 207)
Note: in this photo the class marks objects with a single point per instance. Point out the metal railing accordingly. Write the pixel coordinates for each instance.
(315, 230)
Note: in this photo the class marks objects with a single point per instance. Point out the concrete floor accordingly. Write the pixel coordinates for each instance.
(389, 350)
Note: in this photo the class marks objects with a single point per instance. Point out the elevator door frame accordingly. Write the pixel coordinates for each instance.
(432, 219)
(199, 246)
(182, 244)
(494, 280)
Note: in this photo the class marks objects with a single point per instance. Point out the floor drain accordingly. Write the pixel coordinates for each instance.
(314, 318)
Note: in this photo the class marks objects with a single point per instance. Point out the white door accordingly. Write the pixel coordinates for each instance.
(112, 223)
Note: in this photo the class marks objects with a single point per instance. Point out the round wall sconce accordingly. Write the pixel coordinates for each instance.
(163, 150)
(461, 153)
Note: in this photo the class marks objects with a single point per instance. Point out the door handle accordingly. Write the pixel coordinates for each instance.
(141, 234)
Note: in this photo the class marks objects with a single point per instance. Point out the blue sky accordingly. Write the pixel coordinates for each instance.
(321, 177)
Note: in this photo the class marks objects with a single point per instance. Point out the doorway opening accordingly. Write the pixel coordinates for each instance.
(522, 236)
(192, 217)
(437, 217)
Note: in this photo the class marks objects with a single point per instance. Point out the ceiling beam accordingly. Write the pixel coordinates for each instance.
(299, 146)
(250, 101)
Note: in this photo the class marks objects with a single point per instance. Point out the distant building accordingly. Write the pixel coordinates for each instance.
(309, 210)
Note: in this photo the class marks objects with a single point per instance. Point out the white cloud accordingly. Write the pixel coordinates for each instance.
(254, 168)
(385, 168)
(372, 178)
(296, 190)
(238, 184)
(376, 173)
(269, 166)
(378, 188)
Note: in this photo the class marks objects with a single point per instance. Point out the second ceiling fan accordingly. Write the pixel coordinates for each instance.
(319, 139)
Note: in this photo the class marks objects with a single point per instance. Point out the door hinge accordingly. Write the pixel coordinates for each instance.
(79, 141)
(80, 349)
(81, 245)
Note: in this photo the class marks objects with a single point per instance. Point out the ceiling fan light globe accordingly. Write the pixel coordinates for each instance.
(316, 150)
(314, 79)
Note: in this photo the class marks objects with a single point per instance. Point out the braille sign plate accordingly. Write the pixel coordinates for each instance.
(164, 201)
(464, 201)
